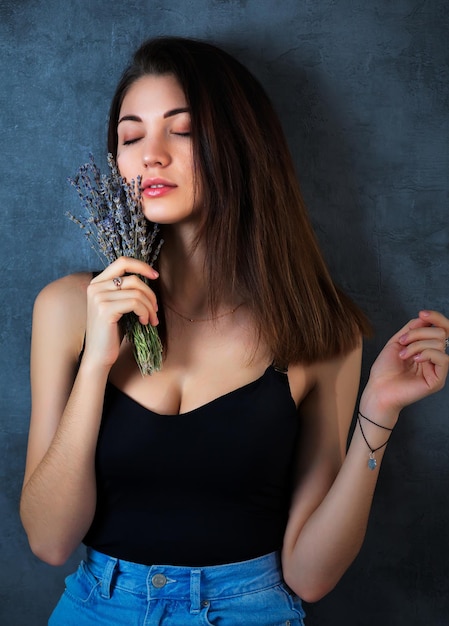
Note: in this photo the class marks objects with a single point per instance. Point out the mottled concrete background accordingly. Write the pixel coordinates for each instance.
(362, 90)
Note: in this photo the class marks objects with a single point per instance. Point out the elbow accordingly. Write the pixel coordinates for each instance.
(314, 594)
(44, 543)
(310, 579)
(49, 554)
(47, 551)
(51, 557)
(309, 591)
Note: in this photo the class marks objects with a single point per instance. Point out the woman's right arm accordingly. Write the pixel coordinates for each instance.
(58, 496)
(59, 489)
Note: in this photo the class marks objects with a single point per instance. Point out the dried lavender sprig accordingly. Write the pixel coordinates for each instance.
(116, 226)
(147, 346)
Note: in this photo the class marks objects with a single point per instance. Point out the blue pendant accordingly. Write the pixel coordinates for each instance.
(372, 463)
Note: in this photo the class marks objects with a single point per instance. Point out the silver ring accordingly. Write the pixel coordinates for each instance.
(447, 343)
(117, 282)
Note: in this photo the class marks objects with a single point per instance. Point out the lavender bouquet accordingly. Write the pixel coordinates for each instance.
(116, 226)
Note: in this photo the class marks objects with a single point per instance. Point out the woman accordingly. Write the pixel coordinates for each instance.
(217, 490)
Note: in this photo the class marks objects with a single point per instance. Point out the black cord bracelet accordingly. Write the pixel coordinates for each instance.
(372, 461)
(375, 423)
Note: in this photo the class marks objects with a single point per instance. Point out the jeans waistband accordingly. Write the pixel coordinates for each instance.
(197, 584)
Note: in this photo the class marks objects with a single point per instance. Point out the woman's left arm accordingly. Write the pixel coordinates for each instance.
(334, 491)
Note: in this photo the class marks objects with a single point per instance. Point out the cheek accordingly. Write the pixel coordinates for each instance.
(120, 156)
(123, 165)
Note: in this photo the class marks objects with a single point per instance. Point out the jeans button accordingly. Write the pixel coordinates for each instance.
(159, 581)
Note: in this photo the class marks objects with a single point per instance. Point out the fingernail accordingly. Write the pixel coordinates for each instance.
(403, 338)
(425, 313)
(403, 352)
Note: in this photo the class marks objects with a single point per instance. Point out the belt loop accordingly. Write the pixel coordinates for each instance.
(106, 579)
(195, 591)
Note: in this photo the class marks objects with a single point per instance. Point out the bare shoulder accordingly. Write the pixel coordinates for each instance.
(60, 308)
(66, 291)
(320, 378)
(334, 384)
(338, 367)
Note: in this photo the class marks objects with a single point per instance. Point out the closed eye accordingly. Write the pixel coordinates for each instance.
(128, 142)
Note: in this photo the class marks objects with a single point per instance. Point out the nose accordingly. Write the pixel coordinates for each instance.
(155, 153)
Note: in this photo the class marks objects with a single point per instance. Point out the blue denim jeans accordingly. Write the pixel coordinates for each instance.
(105, 591)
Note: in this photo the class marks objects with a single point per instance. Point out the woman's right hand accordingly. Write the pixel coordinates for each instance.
(107, 303)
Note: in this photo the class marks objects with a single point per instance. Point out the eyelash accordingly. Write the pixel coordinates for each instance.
(129, 142)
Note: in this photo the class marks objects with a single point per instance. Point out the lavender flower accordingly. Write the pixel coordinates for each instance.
(116, 226)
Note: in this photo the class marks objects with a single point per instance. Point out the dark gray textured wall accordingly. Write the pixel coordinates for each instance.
(362, 90)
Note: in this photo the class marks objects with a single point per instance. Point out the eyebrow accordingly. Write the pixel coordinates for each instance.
(171, 113)
(176, 112)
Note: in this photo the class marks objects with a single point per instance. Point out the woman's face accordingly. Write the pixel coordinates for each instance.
(154, 142)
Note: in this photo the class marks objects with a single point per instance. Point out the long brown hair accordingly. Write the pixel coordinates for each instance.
(259, 239)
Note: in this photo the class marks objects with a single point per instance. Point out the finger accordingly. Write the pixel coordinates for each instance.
(132, 281)
(141, 307)
(112, 303)
(117, 304)
(424, 333)
(437, 357)
(126, 265)
(436, 319)
(426, 319)
(412, 324)
(417, 347)
(142, 303)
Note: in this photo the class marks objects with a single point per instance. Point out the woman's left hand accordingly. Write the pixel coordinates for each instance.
(412, 365)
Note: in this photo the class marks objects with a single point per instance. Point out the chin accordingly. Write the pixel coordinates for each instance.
(165, 216)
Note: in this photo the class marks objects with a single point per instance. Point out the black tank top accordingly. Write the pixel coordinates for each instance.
(205, 487)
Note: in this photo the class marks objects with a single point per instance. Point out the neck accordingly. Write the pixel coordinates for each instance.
(184, 286)
(182, 278)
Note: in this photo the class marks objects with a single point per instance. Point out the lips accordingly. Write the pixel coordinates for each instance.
(157, 187)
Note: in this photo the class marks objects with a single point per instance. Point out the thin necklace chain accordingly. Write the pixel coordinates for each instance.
(205, 319)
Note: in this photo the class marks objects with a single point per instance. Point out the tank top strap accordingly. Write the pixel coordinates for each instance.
(282, 368)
